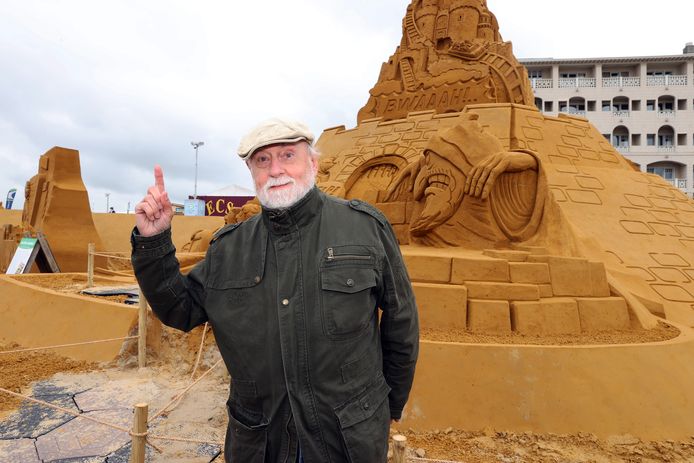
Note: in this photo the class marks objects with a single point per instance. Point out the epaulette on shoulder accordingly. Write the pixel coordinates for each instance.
(224, 230)
(367, 208)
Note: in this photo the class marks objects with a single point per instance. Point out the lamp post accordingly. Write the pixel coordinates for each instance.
(196, 145)
(107, 195)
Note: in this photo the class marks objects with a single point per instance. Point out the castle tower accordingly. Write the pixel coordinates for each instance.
(464, 20)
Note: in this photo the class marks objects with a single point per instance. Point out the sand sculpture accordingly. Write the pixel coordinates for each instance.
(451, 55)
(57, 203)
(514, 222)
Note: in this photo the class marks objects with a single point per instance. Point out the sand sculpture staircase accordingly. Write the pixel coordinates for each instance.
(524, 291)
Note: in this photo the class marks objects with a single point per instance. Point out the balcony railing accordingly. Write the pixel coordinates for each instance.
(576, 82)
(541, 83)
(666, 148)
(620, 113)
(622, 148)
(665, 81)
(666, 113)
(573, 111)
(621, 82)
(680, 183)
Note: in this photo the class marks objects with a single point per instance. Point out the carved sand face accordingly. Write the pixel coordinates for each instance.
(441, 184)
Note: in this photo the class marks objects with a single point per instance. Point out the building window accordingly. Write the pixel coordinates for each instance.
(572, 75)
(659, 73)
(650, 139)
(650, 105)
(535, 74)
(666, 172)
(681, 139)
(549, 106)
(606, 105)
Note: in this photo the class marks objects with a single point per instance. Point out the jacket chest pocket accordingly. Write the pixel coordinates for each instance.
(348, 299)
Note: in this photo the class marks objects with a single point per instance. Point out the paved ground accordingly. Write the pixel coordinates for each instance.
(37, 434)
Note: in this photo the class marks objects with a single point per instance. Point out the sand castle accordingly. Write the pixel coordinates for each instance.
(520, 229)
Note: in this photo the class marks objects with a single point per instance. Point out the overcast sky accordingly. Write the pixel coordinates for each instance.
(132, 83)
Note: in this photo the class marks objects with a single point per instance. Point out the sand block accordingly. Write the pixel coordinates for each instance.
(471, 269)
(507, 254)
(488, 316)
(570, 276)
(603, 313)
(529, 272)
(598, 279)
(441, 306)
(502, 291)
(534, 250)
(547, 316)
(430, 269)
(545, 290)
(396, 212)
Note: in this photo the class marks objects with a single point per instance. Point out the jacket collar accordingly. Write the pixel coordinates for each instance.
(282, 221)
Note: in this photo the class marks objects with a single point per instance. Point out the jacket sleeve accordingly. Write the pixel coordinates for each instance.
(177, 300)
(399, 324)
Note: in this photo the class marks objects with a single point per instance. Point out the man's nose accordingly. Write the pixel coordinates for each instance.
(276, 167)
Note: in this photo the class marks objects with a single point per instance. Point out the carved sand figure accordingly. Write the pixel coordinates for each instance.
(467, 180)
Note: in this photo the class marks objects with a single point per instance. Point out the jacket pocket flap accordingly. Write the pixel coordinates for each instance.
(363, 406)
(348, 279)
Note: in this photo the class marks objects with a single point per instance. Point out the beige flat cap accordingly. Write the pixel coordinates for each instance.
(273, 131)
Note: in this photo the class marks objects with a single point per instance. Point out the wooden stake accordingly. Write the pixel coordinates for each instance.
(399, 446)
(137, 454)
(90, 265)
(142, 332)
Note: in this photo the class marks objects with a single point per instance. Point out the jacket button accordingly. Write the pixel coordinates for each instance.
(366, 405)
(285, 302)
(257, 279)
(350, 282)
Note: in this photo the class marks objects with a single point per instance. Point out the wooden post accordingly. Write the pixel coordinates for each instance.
(399, 446)
(90, 265)
(142, 332)
(137, 454)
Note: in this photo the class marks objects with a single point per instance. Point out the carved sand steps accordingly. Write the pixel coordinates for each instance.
(523, 290)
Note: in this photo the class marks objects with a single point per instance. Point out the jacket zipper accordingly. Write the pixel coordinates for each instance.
(332, 256)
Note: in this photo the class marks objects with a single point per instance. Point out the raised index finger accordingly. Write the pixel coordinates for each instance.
(159, 178)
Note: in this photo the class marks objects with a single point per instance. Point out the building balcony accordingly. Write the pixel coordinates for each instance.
(622, 148)
(666, 113)
(621, 82)
(666, 81)
(578, 82)
(541, 83)
(573, 111)
(620, 113)
(680, 183)
(666, 148)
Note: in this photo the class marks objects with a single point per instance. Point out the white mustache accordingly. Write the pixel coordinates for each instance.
(278, 181)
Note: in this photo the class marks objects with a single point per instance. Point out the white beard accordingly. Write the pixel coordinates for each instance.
(286, 197)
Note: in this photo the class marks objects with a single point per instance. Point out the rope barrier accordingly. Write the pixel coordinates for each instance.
(432, 460)
(176, 398)
(67, 345)
(197, 361)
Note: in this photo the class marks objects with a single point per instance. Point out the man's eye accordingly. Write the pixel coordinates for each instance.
(288, 155)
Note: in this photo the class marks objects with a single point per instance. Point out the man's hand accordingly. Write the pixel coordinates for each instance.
(154, 213)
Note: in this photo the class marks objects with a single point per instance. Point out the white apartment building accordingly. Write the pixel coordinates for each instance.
(643, 104)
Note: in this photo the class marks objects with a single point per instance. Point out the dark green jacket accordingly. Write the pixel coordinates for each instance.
(293, 298)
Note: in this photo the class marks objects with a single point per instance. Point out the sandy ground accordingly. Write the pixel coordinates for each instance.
(201, 414)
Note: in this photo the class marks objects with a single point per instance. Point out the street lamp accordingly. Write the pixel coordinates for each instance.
(196, 145)
(107, 195)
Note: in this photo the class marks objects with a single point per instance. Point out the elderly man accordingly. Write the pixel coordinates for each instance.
(293, 296)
